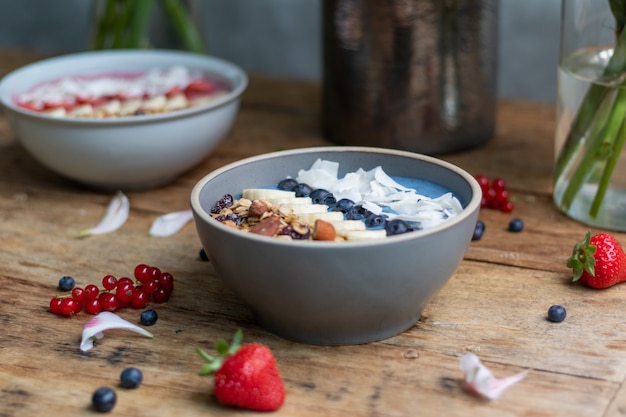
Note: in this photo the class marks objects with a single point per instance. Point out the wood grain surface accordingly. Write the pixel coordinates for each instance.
(494, 306)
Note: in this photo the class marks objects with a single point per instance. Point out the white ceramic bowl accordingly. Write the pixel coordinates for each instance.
(335, 293)
(123, 152)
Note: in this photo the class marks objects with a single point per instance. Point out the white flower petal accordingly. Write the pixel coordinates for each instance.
(170, 223)
(106, 320)
(115, 216)
(481, 381)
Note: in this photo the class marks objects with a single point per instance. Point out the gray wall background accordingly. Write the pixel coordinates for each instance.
(283, 37)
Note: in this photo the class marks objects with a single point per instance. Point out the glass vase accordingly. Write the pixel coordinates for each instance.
(590, 164)
(416, 75)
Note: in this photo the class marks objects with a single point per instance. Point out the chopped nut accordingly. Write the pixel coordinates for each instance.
(299, 227)
(269, 226)
(258, 208)
(323, 230)
(230, 223)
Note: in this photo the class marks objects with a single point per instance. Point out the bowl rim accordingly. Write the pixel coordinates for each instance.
(239, 80)
(472, 205)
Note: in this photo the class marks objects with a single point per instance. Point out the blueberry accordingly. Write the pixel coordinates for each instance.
(203, 255)
(516, 225)
(357, 212)
(344, 205)
(66, 283)
(374, 220)
(131, 378)
(397, 227)
(288, 184)
(556, 313)
(479, 230)
(103, 399)
(302, 190)
(148, 317)
(318, 196)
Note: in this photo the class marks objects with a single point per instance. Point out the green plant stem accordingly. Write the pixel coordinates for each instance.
(615, 153)
(139, 18)
(599, 138)
(183, 25)
(600, 129)
(104, 24)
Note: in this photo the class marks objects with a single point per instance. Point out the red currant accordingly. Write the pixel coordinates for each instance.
(125, 291)
(150, 286)
(78, 294)
(55, 305)
(502, 196)
(495, 194)
(108, 301)
(124, 281)
(70, 306)
(109, 282)
(154, 272)
(93, 306)
(140, 299)
(508, 207)
(161, 295)
(142, 273)
(91, 291)
(483, 181)
(498, 184)
(166, 280)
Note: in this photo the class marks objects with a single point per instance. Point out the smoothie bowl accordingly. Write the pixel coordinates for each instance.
(344, 290)
(124, 119)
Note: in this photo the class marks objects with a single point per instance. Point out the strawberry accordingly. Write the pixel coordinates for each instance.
(246, 376)
(599, 261)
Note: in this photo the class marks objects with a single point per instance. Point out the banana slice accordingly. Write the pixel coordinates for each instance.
(344, 226)
(354, 235)
(266, 194)
(129, 107)
(298, 209)
(329, 216)
(296, 200)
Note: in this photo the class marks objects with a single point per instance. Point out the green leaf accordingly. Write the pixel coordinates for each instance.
(213, 364)
(582, 259)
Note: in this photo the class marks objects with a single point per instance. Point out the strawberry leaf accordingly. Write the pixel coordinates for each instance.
(236, 343)
(582, 259)
(213, 364)
(222, 347)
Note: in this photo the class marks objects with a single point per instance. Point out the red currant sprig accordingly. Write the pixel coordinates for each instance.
(495, 194)
(150, 284)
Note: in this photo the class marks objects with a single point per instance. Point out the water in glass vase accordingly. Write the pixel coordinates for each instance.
(590, 173)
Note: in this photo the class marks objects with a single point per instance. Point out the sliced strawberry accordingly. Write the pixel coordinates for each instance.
(174, 91)
(200, 87)
(29, 105)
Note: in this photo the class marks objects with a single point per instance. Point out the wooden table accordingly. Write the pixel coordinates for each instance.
(494, 306)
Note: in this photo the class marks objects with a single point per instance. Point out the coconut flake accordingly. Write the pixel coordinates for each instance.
(480, 381)
(170, 223)
(322, 174)
(375, 190)
(115, 216)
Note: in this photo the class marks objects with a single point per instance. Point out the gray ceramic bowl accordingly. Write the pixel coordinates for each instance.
(336, 293)
(131, 152)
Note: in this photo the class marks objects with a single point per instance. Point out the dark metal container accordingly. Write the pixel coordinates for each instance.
(417, 75)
